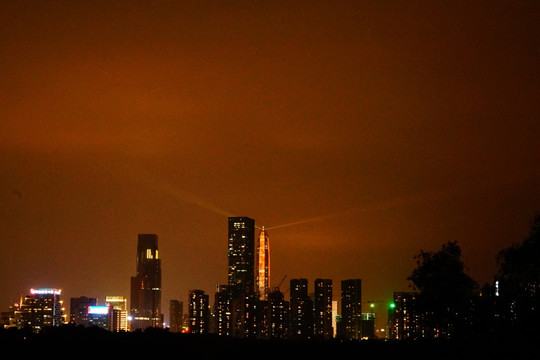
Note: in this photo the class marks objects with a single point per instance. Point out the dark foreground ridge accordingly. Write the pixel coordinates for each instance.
(72, 341)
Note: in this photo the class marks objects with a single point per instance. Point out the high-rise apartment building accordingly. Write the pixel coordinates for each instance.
(241, 254)
(245, 310)
(263, 265)
(351, 309)
(278, 319)
(301, 310)
(403, 317)
(176, 315)
(323, 309)
(146, 285)
(199, 312)
(223, 310)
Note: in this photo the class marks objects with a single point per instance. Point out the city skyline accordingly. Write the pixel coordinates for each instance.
(247, 310)
(247, 278)
(358, 133)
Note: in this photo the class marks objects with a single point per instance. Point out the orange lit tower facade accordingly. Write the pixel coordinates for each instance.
(263, 265)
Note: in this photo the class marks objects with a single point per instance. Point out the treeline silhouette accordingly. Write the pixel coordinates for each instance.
(78, 341)
(450, 304)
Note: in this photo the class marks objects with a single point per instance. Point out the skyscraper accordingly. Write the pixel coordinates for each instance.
(241, 254)
(278, 315)
(146, 285)
(323, 309)
(199, 312)
(301, 314)
(244, 315)
(222, 310)
(41, 308)
(176, 315)
(351, 308)
(404, 318)
(263, 265)
(118, 313)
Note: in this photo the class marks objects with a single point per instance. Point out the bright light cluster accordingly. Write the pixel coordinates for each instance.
(45, 291)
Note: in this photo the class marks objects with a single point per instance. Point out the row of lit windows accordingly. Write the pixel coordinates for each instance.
(150, 256)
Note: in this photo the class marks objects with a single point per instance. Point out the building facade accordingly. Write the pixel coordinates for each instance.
(145, 301)
(301, 310)
(404, 318)
(241, 254)
(351, 309)
(223, 310)
(118, 313)
(199, 312)
(41, 308)
(78, 310)
(323, 309)
(278, 319)
(263, 265)
(98, 315)
(176, 315)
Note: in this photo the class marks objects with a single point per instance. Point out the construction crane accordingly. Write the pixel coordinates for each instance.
(276, 288)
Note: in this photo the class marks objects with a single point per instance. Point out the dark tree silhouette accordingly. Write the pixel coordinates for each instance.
(519, 281)
(446, 292)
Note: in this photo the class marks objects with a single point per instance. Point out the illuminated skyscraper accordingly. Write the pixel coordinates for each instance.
(222, 310)
(404, 318)
(323, 309)
(351, 308)
(99, 315)
(241, 277)
(241, 254)
(118, 313)
(301, 315)
(199, 312)
(279, 315)
(41, 308)
(176, 315)
(263, 265)
(146, 285)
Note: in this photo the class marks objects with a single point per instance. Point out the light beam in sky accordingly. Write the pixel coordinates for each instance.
(174, 191)
(182, 195)
(383, 205)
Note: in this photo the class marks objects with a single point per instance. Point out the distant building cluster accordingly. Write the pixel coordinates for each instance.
(247, 306)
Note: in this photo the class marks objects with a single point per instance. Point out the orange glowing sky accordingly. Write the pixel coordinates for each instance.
(375, 129)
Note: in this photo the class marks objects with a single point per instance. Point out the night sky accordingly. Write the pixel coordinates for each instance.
(357, 132)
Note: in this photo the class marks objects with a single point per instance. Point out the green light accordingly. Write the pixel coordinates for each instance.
(392, 305)
(372, 305)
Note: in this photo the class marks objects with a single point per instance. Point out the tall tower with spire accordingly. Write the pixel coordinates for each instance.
(263, 265)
